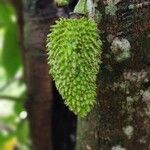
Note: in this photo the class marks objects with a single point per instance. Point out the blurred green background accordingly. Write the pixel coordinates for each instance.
(13, 124)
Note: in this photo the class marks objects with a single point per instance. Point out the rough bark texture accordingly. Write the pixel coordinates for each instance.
(39, 15)
(120, 119)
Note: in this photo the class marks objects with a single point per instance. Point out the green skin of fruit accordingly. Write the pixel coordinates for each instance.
(74, 54)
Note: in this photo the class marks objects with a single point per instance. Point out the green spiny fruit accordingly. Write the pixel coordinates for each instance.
(74, 51)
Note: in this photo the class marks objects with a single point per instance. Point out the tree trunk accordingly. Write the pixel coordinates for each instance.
(120, 119)
(46, 110)
(39, 15)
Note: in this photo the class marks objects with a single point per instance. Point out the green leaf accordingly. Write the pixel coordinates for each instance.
(22, 132)
(10, 52)
(10, 57)
(5, 14)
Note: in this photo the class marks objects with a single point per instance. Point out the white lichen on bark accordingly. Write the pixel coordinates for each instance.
(117, 147)
(128, 130)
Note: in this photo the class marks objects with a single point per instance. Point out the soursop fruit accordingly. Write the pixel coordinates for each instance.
(74, 54)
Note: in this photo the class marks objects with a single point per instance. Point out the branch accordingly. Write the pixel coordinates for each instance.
(8, 97)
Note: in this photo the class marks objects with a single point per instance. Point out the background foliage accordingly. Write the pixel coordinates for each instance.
(13, 124)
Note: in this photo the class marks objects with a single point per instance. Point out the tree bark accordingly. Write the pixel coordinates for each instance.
(39, 15)
(120, 119)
